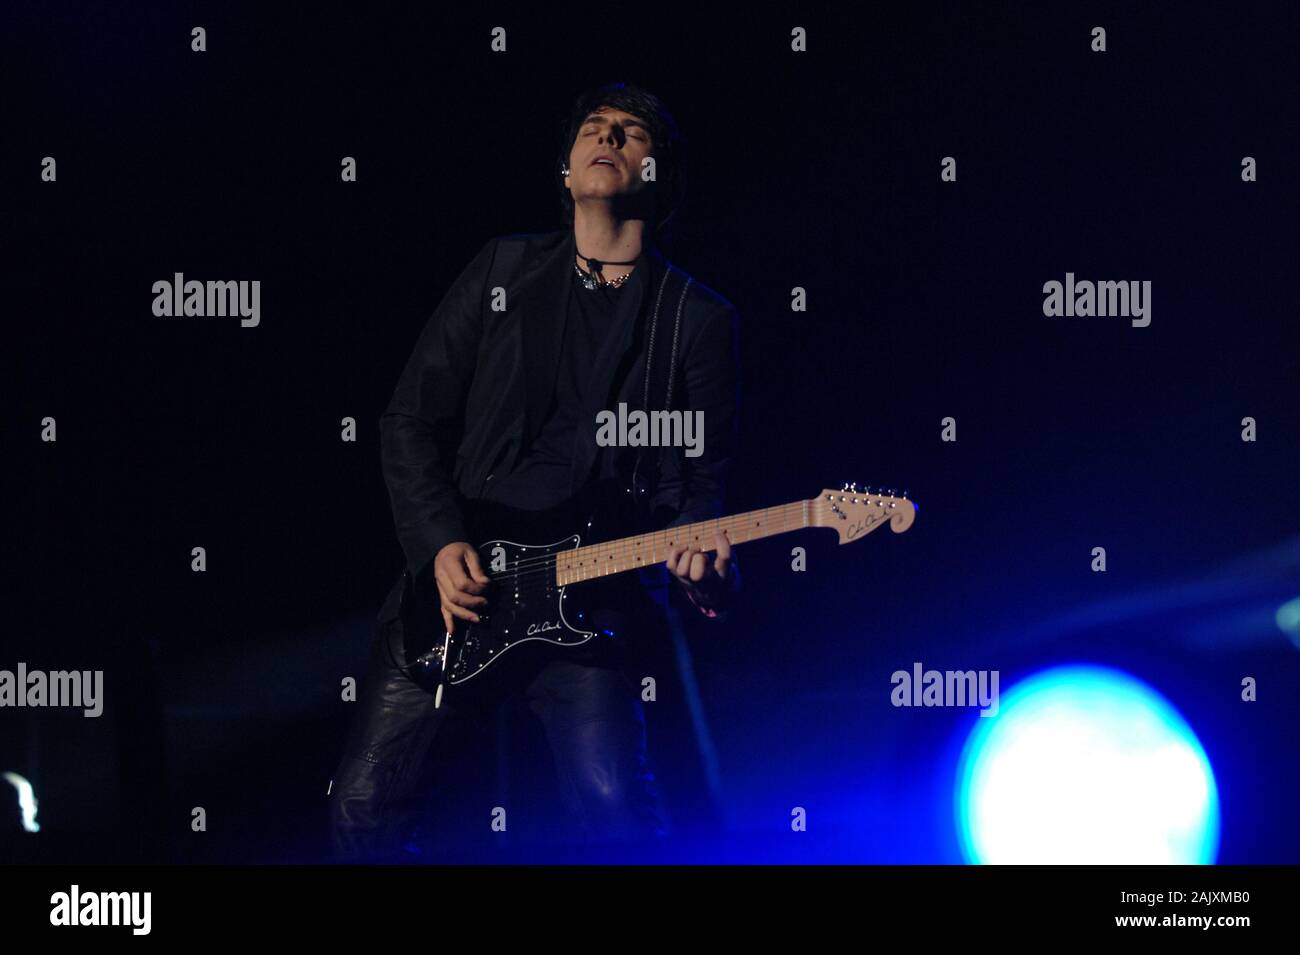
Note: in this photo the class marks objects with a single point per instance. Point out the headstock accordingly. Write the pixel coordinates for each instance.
(854, 513)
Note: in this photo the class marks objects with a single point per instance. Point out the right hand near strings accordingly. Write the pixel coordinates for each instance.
(460, 581)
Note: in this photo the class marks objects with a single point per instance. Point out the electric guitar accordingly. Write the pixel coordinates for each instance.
(546, 597)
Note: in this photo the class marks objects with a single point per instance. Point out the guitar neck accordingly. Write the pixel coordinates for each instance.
(629, 553)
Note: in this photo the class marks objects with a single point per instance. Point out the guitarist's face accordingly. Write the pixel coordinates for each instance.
(618, 137)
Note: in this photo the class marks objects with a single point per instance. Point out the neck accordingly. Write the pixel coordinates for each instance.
(601, 235)
(631, 553)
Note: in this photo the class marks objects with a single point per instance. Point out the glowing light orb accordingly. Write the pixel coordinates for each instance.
(1288, 620)
(1085, 764)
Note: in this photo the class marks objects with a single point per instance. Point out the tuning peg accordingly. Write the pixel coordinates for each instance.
(905, 493)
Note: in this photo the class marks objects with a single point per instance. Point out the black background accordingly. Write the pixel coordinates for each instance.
(818, 170)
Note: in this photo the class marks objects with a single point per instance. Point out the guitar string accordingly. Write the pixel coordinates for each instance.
(620, 554)
(631, 547)
(540, 565)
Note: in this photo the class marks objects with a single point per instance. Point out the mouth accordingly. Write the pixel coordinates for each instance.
(604, 161)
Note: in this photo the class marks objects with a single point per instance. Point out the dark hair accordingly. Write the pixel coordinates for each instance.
(668, 191)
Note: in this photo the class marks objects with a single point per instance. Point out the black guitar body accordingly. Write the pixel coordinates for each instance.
(529, 618)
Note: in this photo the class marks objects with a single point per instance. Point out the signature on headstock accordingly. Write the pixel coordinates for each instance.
(858, 528)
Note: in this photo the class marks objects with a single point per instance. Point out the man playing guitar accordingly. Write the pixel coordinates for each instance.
(496, 408)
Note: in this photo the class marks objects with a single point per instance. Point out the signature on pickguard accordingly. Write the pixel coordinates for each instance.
(861, 527)
(542, 627)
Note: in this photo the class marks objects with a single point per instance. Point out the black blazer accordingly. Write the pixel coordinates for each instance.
(471, 397)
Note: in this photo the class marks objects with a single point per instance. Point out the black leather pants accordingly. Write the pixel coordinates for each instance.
(592, 718)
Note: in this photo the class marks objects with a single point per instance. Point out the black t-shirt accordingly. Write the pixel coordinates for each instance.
(543, 476)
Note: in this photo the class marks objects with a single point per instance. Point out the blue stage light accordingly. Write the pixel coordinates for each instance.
(1085, 764)
(1288, 620)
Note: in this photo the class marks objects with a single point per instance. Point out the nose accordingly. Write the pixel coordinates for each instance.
(617, 136)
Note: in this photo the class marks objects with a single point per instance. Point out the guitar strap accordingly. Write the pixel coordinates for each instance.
(660, 376)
